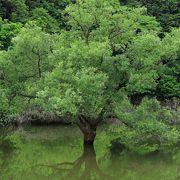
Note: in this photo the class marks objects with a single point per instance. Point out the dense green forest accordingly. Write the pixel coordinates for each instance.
(91, 61)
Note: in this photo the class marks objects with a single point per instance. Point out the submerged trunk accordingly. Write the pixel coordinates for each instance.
(89, 136)
(88, 128)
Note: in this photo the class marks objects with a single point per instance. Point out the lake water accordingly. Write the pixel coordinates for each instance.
(51, 153)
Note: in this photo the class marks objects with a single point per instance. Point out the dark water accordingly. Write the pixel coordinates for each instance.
(51, 153)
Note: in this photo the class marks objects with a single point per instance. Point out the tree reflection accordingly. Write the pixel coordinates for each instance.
(83, 168)
(7, 148)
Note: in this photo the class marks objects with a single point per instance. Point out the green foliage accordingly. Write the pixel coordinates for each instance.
(14, 10)
(30, 52)
(44, 20)
(4, 107)
(147, 127)
(23, 66)
(54, 8)
(81, 82)
(166, 11)
(74, 92)
(144, 56)
(8, 30)
(119, 27)
(169, 84)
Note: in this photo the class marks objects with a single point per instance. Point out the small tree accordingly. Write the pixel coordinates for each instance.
(147, 126)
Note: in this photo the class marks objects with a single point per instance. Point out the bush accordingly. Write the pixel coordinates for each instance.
(147, 126)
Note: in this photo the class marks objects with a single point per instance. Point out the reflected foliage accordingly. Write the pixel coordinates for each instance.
(58, 153)
(7, 148)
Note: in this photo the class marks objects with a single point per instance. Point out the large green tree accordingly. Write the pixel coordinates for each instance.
(109, 48)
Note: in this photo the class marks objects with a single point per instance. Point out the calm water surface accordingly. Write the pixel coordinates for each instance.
(51, 153)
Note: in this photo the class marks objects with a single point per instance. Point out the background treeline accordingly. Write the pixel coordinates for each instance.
(48, 14)
(165, 11)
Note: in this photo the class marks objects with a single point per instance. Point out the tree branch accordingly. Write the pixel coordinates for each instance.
(28, 96)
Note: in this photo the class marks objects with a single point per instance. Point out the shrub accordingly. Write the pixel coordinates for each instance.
(147, 126)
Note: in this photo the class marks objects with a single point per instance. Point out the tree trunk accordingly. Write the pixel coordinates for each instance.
(89, 136)
(88, 129)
